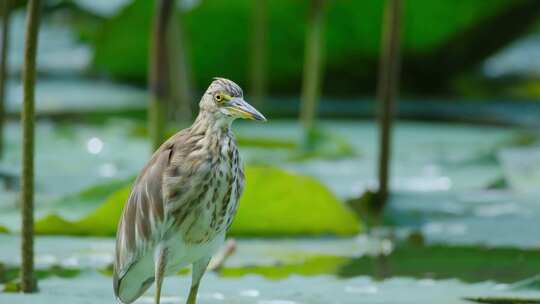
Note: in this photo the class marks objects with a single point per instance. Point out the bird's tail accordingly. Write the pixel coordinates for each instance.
(134, 282)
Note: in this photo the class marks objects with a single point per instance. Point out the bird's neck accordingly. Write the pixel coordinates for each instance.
(211, 124)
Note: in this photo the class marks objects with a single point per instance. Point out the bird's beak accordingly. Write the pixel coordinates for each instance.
(244, 110)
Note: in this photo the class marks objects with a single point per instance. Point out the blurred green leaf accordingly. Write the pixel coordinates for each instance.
(275, 203)
(100, 222)
(93, 195)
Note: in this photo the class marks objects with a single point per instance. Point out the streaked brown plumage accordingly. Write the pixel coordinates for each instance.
(184, 200)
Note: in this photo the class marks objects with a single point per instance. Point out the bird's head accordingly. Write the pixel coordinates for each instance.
(225, 99)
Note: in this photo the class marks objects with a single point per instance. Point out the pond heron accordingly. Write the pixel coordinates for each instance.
(184, 200)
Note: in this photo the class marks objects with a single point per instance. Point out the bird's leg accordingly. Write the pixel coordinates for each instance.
(199, 268)
(160, 263)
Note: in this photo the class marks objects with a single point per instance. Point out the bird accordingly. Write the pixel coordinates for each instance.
(184, 200)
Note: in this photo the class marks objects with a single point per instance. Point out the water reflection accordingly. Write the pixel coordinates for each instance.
(94, 145)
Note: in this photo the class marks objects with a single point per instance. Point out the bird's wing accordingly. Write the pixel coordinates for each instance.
(143, 212)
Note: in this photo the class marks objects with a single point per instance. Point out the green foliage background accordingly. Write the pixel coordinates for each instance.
(218, 32)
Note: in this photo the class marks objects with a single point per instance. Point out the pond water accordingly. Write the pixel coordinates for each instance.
(477, 240)
(441, 178)
(95, 288)
(440, 173)
(68, 270)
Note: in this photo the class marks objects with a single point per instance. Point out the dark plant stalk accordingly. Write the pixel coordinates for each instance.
(180, 72)
(159, 72)
(312, 66)
(5, 12)
(28, 283)
(387, 91)
(258, 51)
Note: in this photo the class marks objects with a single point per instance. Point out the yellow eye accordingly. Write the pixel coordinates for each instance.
(219, 97)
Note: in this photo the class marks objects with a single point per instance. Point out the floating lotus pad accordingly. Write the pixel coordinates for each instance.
(275, 203)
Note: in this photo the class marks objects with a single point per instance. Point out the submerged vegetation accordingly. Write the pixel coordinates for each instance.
(466, 263)
(502, 300)
(436, 262)
(9, 275)
(3, 230)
